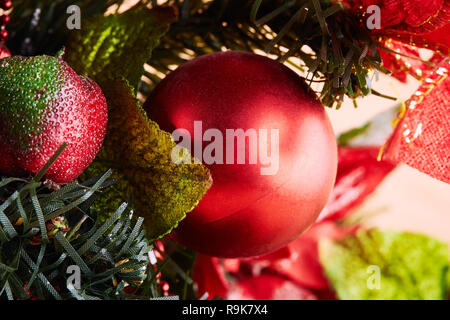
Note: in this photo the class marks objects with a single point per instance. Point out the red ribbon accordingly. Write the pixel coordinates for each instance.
(422, 138)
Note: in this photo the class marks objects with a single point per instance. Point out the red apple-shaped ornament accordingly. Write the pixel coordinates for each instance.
(43, 104)
(270, 189)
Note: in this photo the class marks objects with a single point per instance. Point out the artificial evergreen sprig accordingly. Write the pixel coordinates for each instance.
(43, 232)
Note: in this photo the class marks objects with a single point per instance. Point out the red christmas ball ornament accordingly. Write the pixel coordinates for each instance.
(4, 20)
(267, 141)
(3, 35)
(6, 4)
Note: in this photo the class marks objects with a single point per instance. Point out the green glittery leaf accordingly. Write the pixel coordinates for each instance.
(28, 88)
(118, 45)
(112, 50)
(140, 155)
(410, 266)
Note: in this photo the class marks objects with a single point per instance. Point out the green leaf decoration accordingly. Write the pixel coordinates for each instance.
(140, 155)
(410, 266)
(345, 138)
(375, 132)
(118, 45)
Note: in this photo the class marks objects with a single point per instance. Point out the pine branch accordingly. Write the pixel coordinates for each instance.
(43, 232)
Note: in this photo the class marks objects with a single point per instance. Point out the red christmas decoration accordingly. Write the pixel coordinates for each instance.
(246, 213)
(209, 277)
(407, 61)
(75, 113)
(4, 20)
(422, 137)
(359, 174)
(3, 35)
(6, 4)
(297, 265)
(407, 17)
(4, 52)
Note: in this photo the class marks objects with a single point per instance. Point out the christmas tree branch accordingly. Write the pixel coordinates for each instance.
(333, 48)
(321, 38)
(44, 233)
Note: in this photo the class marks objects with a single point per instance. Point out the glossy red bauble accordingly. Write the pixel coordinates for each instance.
(246, 212)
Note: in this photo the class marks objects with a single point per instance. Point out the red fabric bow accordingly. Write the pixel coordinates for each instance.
(422, 138)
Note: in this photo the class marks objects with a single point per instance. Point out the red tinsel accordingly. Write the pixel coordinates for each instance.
(411, 17)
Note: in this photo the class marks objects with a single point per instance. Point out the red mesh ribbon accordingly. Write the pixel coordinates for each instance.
(422, 137)
(405, 26)
(406, 16)
(407, 61)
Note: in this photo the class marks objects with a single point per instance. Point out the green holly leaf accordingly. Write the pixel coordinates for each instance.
(113, 50)
(386, 265)
(118, 45)
(346, 137)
